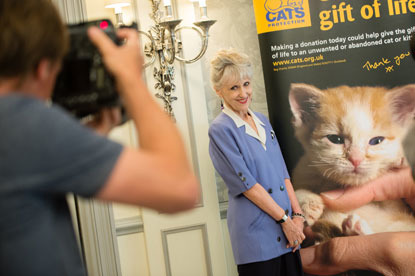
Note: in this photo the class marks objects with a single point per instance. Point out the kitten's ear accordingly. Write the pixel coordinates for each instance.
(402, 101)
(304, 100)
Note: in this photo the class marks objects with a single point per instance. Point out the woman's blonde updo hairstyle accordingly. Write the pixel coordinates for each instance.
(229, 65)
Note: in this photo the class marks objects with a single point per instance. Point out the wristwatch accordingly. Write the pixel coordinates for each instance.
(284, 218)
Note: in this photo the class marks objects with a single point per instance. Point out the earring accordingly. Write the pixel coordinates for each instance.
(221, 105)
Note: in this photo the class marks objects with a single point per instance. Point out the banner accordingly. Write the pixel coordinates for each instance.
(332, 73)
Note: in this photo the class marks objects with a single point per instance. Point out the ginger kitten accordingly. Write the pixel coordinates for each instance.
(350, 135)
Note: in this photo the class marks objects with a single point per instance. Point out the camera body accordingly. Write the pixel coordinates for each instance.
(84, 86)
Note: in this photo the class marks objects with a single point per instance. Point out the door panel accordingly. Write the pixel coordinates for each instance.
(189, 243)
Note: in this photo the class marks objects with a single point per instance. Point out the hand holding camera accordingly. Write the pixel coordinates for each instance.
(105, 120)
(122, 61)
(97, 55)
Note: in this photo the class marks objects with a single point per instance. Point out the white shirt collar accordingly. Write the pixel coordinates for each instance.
(248, 129)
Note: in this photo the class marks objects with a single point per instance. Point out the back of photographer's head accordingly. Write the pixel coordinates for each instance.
(31, 30)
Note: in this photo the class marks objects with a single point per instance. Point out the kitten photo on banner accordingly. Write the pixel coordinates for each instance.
(350, 135)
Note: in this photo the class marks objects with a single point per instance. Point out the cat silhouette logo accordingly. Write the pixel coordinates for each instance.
(274, 6)
(277, 15)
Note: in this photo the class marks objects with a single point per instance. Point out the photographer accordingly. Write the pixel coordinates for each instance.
(45, 153)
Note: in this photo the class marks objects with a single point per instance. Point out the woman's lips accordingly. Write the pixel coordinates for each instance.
(243, 101)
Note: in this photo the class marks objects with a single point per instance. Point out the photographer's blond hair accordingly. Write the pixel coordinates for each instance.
(31, 30)
(227, 65)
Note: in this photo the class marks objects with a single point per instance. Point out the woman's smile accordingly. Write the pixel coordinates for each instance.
(243, 101)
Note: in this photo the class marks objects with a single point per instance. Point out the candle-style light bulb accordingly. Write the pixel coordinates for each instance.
(203, 9)
(168, 9)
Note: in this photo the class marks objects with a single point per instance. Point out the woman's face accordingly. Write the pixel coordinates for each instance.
(237, 94)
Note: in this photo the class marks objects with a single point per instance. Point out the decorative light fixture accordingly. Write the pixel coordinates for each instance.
(203, 8)
(117, 5)
(167, 48)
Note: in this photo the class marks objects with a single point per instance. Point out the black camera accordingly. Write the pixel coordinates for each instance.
(84, 86)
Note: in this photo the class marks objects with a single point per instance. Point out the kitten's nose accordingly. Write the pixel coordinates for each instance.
(355, 156)
(355, 160)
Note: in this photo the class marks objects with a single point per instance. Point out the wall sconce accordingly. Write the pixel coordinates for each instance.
(165, 47)
(117, 5)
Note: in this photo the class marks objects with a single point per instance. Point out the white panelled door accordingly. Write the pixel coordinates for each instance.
(190, 243)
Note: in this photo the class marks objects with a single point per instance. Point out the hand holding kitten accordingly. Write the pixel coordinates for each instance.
(367, 252)
(397, 183)
(362, 253)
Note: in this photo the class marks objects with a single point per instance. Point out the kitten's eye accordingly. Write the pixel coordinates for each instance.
(376, 140)
(335, 139)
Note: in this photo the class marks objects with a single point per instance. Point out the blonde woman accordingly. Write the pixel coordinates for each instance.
(264, 218)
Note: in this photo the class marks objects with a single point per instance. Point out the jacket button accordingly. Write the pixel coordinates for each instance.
(279, 239)
(270, 190)
(282, 188)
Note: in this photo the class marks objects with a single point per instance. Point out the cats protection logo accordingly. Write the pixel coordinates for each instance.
(277, 15)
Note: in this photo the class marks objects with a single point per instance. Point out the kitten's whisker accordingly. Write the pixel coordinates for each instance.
(331, 171)
(327, 172)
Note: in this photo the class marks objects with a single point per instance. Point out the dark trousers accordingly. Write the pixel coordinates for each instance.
(288, 264)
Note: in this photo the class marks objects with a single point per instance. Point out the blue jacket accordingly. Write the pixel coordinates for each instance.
(242, 161)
